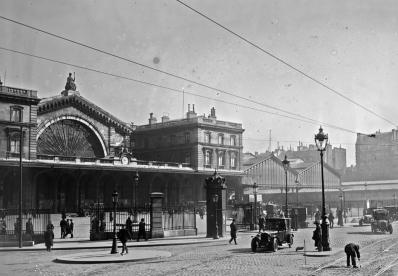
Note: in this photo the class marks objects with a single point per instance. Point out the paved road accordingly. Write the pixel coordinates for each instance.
(221, 258)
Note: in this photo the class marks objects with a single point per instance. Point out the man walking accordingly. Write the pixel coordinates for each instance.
(123, 236)
(233, 231)
(352, 251)
(141, 230)
(317, 236)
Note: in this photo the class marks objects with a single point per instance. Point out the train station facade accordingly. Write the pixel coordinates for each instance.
(75, 154)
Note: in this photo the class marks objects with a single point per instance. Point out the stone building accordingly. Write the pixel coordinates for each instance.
(200, 141)
(72, 153)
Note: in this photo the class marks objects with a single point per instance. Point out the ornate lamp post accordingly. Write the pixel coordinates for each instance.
(286, 163)
(321, 141)
(136, 179)
(114, 242)
(215, 201)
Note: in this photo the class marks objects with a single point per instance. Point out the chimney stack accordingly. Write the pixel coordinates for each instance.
(152, 120)
(191, 114)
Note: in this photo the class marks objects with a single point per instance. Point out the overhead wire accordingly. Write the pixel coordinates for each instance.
(171, 89)
(162, 71)
(288, 64)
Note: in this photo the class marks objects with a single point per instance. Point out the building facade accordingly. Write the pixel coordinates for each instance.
(72, 157)
(202, 142)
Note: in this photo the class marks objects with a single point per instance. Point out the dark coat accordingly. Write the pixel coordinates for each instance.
(233, 229)
(123, 235)
(141, 226)
(48, 237)
(352, 249)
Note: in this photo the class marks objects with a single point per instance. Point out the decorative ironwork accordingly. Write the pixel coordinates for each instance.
(69, 138)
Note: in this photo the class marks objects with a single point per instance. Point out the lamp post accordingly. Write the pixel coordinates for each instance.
(255, 186)
(136, 179)
(114, 242)
(215, 201)
(286, 163)
(321, 141)
(341, 207)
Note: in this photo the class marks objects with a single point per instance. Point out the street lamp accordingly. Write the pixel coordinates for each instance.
(286, 163)
(136, 178)
(255, 186)
(215, 201)
(114, 242)
(340, 221)
(321, 141)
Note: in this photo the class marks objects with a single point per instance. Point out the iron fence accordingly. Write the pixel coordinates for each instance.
(101, 220)
(9, 224)
(178, 218)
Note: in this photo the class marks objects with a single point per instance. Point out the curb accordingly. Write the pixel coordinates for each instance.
(106, 257)
(133, 245)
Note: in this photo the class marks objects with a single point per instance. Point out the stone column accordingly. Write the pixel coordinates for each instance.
(156, 215)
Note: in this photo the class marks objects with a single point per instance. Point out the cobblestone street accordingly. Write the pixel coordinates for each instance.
(220, 258)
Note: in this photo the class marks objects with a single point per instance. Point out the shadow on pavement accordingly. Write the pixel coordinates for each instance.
(366, 233)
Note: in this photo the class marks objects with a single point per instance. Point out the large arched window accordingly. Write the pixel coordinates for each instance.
(69, 138)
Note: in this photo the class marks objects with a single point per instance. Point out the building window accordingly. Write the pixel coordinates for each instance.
(187, 137)
(14, 143)
(16, 114)
(233, 140)
(207, 138)
(221, 158)
(233, 160)
(220, 139)
(208, 158)
(188, 157)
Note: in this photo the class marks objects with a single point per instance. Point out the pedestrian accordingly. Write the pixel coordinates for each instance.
(233, 231)
(261, 222)
(49, 238)
(3, 227)
(50, 226)
(331, 218)
(123, 236)
(317, 236)
(17, 228)
(317, 216)
(129, 226)
(63, 224)
(340, 217)
(141, 230)
(29, 228)
(70, 227)
(352, 251)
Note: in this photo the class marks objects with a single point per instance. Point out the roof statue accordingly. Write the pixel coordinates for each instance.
(70, 82)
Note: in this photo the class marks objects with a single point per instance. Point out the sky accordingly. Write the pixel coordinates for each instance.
(349, 46)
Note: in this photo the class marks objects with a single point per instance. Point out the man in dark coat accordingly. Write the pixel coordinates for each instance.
(233, 231)
(48, 238)
(123, 236)
(129, 226)
(352, 250)
(63, 224)
(29, 228)
(317, 236)
(141, 230)
(261, 222)
(331, 219)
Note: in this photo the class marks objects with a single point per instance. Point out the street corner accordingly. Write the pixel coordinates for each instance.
(106, 257)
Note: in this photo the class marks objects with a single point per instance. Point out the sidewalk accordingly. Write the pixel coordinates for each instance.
(70, 244)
